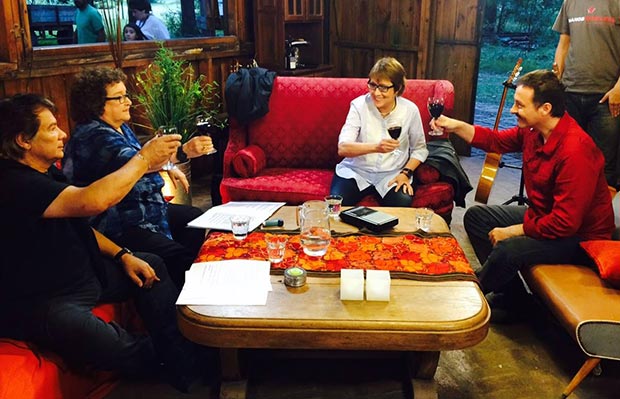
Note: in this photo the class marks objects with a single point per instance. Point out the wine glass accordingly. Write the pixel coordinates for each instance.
(167, 130)
(435, 108)
(394, 130)
(203, 124)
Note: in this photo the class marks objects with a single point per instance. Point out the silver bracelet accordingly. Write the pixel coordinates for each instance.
(148, 164)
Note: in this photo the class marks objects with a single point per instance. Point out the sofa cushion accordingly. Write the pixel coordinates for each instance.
(293, 186)
(606, 255)
(426, 174)
(249, 161)
(573, 293)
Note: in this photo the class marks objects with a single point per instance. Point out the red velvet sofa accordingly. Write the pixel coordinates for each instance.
(291, 153)
(26, 375)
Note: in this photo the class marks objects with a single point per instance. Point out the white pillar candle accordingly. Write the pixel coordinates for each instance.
(378, 285)
(351, 285)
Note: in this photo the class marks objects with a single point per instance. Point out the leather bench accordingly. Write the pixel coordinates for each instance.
(584, 304)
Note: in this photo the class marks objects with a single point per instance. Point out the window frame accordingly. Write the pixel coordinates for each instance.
(20, 56)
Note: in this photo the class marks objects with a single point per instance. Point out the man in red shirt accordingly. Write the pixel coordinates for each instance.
(564, 178)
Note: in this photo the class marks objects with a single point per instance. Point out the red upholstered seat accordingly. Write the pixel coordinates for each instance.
(299, 138)
(26, 375)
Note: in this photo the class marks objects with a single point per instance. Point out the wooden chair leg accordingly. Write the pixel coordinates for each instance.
(583, 372)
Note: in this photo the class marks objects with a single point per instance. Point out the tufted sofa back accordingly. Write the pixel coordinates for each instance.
(305, 117)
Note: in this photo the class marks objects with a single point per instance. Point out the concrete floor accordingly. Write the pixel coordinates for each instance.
(534, 359)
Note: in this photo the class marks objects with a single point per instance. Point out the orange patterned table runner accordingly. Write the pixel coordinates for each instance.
(411, 256)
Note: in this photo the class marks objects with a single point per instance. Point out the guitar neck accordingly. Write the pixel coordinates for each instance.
(501, 108)
(492, 160)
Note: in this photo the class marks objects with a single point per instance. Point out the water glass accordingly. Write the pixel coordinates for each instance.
(167, 130)
(239, 225)
(423, 218)
(276, 246)
(334, 203)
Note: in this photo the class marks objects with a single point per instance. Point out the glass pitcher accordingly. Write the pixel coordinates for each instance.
(313, 221)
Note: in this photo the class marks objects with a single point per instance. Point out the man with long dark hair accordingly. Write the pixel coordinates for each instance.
(55, 268)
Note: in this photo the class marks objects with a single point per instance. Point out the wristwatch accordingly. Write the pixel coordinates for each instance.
(119, 254)
(181, 155)
(407, 172)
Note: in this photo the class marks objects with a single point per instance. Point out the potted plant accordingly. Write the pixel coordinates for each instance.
(169, 93)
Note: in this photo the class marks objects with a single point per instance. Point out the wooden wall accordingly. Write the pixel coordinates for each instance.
(53, 75)
(51, 70)
(433, 39)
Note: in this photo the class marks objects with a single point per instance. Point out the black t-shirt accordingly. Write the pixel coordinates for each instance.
(39, 258)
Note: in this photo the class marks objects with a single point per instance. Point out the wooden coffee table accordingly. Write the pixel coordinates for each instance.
(422, 318)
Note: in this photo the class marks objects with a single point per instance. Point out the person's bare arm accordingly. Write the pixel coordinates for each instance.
(108, 191)
(561, 51)
(501, 233)
(354, 149)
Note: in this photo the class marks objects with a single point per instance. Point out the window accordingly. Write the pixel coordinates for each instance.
(53, 22)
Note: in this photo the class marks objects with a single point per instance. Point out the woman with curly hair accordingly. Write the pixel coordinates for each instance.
(101, 143)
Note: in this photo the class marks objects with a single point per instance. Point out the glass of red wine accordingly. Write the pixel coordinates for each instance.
(203, 123)
(435, 108)
(394, 130)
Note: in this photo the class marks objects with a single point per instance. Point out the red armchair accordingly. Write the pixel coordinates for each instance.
(291, 153)
(26, 375)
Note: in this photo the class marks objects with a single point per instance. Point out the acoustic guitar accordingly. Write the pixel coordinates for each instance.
(492, 160)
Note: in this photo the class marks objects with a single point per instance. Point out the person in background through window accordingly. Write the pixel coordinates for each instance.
(152, 27)
(132, 32)
(587, 59)
(88, 22)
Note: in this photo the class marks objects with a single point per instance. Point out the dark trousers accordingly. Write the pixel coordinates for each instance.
(351, 194)
(178, 253)
(65, 325)
(502, 262)
(597, 121)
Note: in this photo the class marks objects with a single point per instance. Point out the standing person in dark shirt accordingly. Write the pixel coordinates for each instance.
(565, 181)
(55, 268)
(587, 59)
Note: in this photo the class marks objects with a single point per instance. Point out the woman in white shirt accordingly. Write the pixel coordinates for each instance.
(375, 162)
(152, 27)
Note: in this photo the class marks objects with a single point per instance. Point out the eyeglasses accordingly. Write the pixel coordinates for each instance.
(121, 99)
(372, 86)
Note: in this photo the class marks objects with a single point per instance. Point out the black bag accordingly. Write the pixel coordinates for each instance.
(247, 93)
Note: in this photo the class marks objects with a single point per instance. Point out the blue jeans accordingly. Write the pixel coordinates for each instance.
(502, 262)
(604, 129)
(351, 194)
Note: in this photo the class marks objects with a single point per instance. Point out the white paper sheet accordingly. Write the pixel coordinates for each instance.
(218, 217)
(227, 282)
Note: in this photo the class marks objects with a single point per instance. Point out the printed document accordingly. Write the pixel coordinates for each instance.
(227, 282)
(218, 217)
